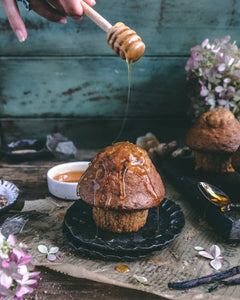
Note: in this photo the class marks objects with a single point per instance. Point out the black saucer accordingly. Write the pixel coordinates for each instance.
(24, 150)
(82, 233)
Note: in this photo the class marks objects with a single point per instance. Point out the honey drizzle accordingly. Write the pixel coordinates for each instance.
(125, 160)
(158, 228)
(96, 235)
(129, 64)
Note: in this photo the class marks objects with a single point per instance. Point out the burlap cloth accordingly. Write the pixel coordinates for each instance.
(178, 262)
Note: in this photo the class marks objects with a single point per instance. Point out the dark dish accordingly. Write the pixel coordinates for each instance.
(83, 234)
(24, 149)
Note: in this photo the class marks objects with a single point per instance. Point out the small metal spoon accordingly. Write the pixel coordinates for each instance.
(217, 196)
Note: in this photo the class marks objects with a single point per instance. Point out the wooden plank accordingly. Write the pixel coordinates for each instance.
(96, 87)
(168, 27)
(94, 133)
(30, 178)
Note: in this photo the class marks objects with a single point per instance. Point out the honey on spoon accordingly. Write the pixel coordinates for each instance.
(124, 41)
(217, 197)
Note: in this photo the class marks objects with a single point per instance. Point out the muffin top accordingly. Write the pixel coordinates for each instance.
(121, 176)
(215, 131)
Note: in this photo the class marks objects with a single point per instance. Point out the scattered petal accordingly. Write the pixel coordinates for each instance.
(215, 251)
(216, 264)
(53, 250)
(140, 279)
(199, 248)
(51, 257)
(205, 254)
(42, 249)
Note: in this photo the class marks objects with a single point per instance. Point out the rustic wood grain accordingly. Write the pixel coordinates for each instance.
(92, 87)
(55, 286)
(168, 27)
(30, 178)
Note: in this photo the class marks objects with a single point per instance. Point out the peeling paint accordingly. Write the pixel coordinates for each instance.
(99, 98)
(161, 14)
(4, 26)
(40, 24)
(71, 91)
(26, 92)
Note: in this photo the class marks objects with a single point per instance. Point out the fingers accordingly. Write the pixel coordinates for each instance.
(52, 10)
(45, 10)
(90, 2)
(14, 18)
(74, 9)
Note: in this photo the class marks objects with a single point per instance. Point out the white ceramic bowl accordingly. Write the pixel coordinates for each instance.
(65, 190)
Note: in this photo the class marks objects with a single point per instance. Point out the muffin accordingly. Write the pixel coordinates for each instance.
(236, 159)
(214, 138)
(121, 184)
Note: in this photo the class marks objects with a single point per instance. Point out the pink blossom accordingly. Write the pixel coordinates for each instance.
(20, 256)
(5, 280)
(218, 89)
(213, 72)
(16, 279)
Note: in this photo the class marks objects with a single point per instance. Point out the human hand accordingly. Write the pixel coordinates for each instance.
(52, 10)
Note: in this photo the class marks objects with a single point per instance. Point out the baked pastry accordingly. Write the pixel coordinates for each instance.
(236, 159)
(214, 138)
(121, 184)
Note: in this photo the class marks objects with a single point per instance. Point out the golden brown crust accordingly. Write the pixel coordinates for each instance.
(119, 220)
(236, 159)
(215, 131)
(213, 162)
(121, 177)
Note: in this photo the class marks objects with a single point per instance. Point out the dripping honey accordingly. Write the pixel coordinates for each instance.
(70, 177)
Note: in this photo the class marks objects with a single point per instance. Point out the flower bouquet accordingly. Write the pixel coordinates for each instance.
(214, 77)
(16, 276)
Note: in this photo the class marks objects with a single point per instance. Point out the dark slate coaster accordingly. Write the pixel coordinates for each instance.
(181, 173)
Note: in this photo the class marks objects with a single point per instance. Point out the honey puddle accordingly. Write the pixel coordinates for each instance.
(123, 269)
(70, 177)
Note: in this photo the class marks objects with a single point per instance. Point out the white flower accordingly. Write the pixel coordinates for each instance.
(50, 254)
(214, 254)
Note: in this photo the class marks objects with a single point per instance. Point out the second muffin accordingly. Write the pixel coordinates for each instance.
(214, 138)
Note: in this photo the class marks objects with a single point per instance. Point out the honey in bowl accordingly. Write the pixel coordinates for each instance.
(70, 177)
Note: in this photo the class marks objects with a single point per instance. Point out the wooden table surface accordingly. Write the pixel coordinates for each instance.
(30, 178)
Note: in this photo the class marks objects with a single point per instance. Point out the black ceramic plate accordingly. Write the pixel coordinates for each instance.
(24, 149)
(83, 235)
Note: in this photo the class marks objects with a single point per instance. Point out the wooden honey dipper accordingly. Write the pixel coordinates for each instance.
(124, 41)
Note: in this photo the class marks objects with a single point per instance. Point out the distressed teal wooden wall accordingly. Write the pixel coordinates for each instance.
(66, 78)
